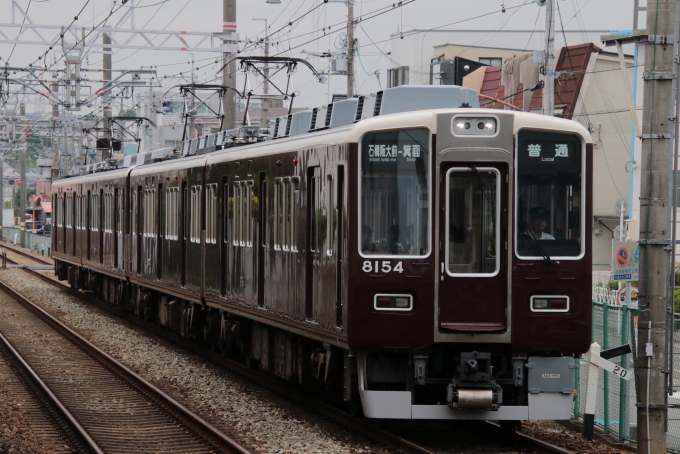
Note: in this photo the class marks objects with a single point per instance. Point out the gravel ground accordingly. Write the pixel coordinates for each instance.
(257, 423)
(558, 435)
(16, 435)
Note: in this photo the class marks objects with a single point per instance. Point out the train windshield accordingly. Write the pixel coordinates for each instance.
(394, 193)
(549, 208)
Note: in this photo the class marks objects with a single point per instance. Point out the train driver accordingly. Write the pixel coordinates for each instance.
(367, 243)
(538, 222)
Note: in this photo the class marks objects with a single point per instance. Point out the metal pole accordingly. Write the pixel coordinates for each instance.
(549, 87)
(22, 200)
(350, 48)
(229, 73)
(605, 376)
(655, 246)
(264, 122)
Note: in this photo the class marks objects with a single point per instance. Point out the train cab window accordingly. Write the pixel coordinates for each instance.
(472, 213)
(549, 212)
(394, 195)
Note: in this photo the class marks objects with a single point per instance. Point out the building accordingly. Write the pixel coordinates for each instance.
(413, 55)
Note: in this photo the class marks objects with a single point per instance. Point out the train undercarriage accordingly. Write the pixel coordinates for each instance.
(453, 381)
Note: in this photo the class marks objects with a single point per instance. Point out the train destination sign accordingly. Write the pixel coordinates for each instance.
(395, 151)
(541, 153)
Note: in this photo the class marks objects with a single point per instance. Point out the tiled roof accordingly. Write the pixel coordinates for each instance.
(492, 80)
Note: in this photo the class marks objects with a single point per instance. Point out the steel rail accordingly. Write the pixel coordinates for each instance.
(177, 410)
(75, 428)
(28, 255)
(316, 405)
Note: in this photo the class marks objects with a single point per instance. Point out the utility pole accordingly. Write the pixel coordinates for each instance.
(106, 100)
(350, 49)
(656, 251)
(549, 60)
(229, 72)
(264, 122)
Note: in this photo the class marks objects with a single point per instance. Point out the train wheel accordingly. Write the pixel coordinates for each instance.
(511, 426)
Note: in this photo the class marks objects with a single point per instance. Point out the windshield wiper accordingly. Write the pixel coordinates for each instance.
(535, 243)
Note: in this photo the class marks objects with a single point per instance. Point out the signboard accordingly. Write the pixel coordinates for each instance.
(626, 260)
(621, 297)
(395, 151)
(544, 153)
(611, 367)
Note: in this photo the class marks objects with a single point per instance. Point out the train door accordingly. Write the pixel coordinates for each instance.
(117, 231)
(473, 292)
(313, 254)
(262, 237)
(138, 229)
(340, 242)
(183, 233)
(88, 223)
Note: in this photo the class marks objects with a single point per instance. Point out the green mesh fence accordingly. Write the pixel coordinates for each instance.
(616, 412)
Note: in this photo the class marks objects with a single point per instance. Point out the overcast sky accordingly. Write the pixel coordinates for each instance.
(206, 15)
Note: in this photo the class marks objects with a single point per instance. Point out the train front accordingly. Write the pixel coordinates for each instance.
(470, 264)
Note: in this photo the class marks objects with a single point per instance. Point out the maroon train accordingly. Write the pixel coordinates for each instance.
(433, 264)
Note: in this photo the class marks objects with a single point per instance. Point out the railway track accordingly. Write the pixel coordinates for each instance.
(98, 403)
(483, 436)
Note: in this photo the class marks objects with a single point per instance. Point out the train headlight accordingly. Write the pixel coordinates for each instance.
(392, 302)
(549, 303)
(474, 126)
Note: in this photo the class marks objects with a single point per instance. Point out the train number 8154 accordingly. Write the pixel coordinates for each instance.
(385, 266)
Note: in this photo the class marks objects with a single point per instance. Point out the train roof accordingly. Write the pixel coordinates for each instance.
(343, 135)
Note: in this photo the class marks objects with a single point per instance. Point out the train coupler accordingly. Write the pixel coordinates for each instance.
(473, 386)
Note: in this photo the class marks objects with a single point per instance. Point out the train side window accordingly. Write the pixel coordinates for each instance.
(195, 221)
(265, 214)
(249, 194)
(68, 211)
(225, 209)
(278, 213)
(119, 210)
(294, 197)
(285, 210)
(171, 225)
(210, 214)
(133, 219)
(313, 184)
(330, 215)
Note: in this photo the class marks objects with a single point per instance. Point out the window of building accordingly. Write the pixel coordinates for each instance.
(397, 76)
(491, 61)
